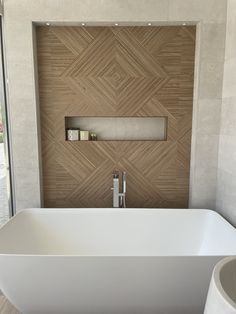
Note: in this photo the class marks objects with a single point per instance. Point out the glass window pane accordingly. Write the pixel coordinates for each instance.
(4, 205)
(5, 196)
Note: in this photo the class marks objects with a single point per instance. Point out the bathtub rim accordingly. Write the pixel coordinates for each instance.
(209, 212)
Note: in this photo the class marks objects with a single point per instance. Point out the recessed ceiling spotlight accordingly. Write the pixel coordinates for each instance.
(116, 24)
(48, 24)
(149, 24)
(83, 24)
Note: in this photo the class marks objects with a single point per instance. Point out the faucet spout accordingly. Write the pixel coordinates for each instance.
(119, 198)
(115, 189)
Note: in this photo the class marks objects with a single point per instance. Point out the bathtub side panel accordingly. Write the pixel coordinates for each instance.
(106, 284)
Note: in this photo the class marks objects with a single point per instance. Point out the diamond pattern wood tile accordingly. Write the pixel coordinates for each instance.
(124, 71)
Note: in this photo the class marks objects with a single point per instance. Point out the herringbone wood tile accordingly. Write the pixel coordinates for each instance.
(125, 71)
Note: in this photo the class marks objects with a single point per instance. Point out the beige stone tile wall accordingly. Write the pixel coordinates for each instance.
(211, 18)
(226, 183)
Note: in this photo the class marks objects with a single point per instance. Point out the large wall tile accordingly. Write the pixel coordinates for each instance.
(226, 195)
(213, 41)
(92, 10)
(195, 10)
(230, 39)
(27, 203)
(231, 10)
(228, 116)
(27, 150)
(24, 120)
(27, 187)
(226, 181)
(206, 151)
(22, 179)
(230, 77)
(210, 79)
(227, 154)
(209, 116)
(204, 192)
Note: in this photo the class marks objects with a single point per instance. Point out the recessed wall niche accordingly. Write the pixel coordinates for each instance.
(116, 72)
(121, 128)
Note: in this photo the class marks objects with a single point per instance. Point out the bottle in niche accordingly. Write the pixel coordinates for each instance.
(93, 136)
(72, 134)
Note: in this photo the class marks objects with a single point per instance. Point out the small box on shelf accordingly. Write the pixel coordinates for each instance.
(75, 134)
(72, 134)
(84, 135)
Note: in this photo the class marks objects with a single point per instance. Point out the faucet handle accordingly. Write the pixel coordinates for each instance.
(124, 182)
(115, 174)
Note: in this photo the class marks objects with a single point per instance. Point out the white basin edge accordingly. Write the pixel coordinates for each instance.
(218, 284)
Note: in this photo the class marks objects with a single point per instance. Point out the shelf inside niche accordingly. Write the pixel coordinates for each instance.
(121, 128)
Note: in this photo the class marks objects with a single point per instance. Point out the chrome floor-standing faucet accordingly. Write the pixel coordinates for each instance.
(119, 198)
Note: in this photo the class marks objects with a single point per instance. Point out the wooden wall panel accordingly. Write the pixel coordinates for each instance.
(123, 71)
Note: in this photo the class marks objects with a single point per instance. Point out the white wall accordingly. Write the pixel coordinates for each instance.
(210, 16)
(226, 185)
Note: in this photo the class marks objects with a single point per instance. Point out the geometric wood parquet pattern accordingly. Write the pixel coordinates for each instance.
(123, 71)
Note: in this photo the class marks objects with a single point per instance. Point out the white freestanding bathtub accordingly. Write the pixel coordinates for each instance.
(108, 261)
